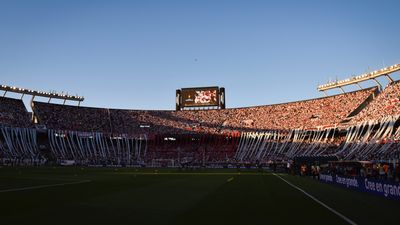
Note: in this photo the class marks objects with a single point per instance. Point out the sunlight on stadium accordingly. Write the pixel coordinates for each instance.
(332, 159)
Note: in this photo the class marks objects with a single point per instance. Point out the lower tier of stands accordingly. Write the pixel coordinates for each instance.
(374, 140)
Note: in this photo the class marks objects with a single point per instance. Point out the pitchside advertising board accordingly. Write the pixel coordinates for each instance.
(386, 189)
(200, 97)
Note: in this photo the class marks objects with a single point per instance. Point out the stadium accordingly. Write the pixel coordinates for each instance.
(338, 139)
(325, 160)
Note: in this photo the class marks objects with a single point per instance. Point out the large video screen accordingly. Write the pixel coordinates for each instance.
(199, 97)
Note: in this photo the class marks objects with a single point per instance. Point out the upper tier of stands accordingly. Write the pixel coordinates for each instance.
(385, 104)
(311, 114)
(13, 113)
(66, 117)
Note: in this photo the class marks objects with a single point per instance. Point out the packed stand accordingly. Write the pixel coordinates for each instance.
(309, 114)
(73, 118)
(387, 103)
(13, 113)
(191, 151)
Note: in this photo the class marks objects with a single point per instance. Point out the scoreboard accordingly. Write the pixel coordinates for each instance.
(200, 97)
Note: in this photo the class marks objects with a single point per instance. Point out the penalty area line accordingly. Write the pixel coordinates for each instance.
(43, 186)
(317, 201)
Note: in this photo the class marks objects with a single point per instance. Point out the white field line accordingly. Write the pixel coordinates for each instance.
(317, 201)
(41, 178)
(43, 186)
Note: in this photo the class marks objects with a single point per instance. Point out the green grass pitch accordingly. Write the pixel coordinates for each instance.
(148, 196)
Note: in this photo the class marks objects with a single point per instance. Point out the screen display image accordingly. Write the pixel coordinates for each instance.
(200, 97)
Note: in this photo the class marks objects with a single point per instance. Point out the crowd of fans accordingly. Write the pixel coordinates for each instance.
(14, 113)
(386, 103)
(191, 152)
(326, 112)
(66, 117)
(314, 113)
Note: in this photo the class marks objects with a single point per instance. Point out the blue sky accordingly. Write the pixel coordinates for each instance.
(134, 54)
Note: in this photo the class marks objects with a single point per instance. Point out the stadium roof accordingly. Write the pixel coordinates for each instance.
(34, 93)
(361, 78)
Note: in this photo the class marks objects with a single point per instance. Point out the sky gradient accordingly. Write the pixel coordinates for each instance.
(134, 54)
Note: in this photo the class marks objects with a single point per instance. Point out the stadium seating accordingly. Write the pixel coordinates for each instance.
(65, 117)
(309, 114)
(280, 132)
(387, 103)
(13, 113)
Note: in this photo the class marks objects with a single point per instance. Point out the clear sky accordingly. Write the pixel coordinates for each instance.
(134, 54)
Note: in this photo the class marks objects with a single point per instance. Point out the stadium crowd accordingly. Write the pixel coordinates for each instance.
(385, 104)
(192, 151)
(309, 114)
(298, 128)
(66, 117)
(13, 113)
